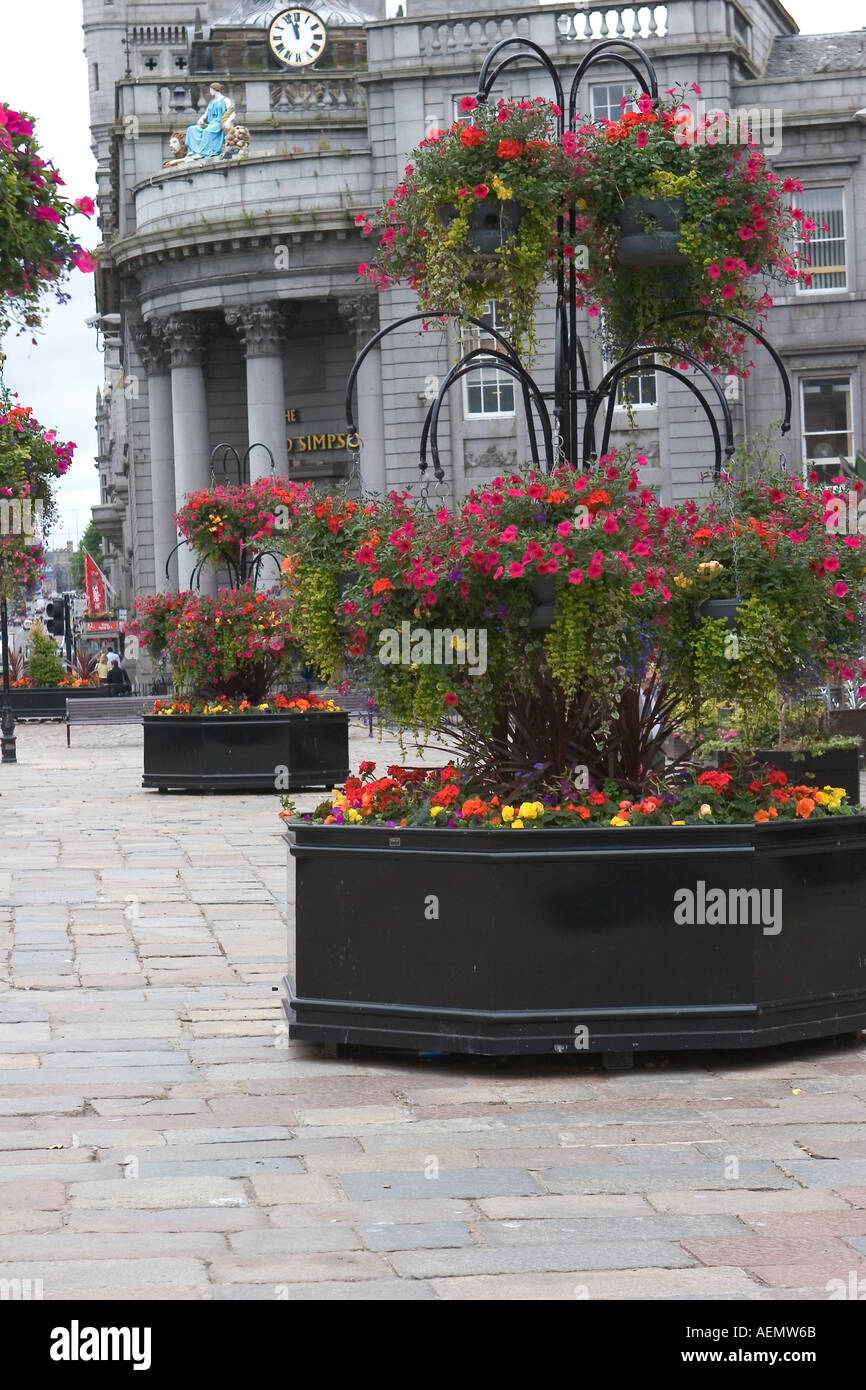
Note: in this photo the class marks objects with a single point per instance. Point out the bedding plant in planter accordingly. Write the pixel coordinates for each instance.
(555, 886)
(232, 727)
(41, 685)
(475, 216)
(682, 215)
(763, 547)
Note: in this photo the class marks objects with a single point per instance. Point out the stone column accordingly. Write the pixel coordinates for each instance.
(184, 338)
(262, 330)
(361, 313)
(151, 348)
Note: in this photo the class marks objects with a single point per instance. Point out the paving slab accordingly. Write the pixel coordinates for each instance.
(161, 1138)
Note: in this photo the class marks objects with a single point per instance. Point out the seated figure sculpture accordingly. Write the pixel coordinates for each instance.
(208, 136)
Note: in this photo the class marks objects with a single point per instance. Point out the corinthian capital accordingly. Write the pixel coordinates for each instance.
(150, 344)
(185, 338)
(361, 312)
(260, 327)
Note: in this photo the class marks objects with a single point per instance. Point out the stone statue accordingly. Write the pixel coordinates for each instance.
(177, 145)
(208, 136)
(237, 142)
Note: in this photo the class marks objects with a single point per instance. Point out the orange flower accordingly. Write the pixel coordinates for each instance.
(583, 812)
(381, 585)
(557, 494)
(805, 807)
(762, 816)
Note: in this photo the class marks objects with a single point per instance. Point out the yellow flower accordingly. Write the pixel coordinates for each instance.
(354, 815)
(501, 190)
(530, 809)
(710, 565)
(620, 820)
(681, 581)
(264, 708)
(517, 825)
(581, 203)
(436, 810)
(508, 813)
(706, 809)
(677, 822)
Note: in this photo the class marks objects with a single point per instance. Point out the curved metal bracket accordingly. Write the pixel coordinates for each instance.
(460, 369)
(226, 450)
(535, 53)
(269, 453)
(747, 328)
(616, 372)
(679, 376)
(427, 314)
(600, 53)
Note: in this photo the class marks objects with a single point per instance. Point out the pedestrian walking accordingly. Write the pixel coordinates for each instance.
(118, 681)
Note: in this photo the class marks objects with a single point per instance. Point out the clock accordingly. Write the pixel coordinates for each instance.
(297, 38)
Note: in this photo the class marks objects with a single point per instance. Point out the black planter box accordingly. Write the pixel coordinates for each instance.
(49, 701)
(838, 767)
(507, 942)
(245, 752)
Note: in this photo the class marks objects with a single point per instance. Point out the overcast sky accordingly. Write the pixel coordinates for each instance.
(43, 71)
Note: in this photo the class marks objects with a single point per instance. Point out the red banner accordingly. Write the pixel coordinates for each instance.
(94, 585)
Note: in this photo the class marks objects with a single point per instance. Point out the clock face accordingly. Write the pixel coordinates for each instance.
(297, 37)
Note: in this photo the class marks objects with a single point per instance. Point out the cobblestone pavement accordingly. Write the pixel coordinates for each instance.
(160, 1139)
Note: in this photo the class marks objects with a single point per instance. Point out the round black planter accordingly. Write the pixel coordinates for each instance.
(726, 608)
(506, 942)
(651, 232)
(245, 752)
(544, 594)
(492, 221)
(49, 701)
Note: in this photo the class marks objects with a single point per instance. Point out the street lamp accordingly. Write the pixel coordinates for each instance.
(8, 750)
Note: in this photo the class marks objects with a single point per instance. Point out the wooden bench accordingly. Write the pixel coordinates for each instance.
(120, 709)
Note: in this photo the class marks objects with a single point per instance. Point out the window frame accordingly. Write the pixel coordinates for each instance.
(471, 338)
(809, 291)
(834, 459)
(597, 86)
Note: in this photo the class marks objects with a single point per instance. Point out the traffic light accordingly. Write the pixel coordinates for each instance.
(55, 618)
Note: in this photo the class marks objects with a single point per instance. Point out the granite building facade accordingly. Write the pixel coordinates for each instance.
(228, 292)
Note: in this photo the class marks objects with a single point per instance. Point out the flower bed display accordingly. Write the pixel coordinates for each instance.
(251, 750)
(565, 885)
(49, 701)
(228, 730)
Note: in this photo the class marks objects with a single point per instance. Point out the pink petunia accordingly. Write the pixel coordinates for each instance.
(714, 271)
(636, 589)
(468, 104)
(840, 588)
(575, 576)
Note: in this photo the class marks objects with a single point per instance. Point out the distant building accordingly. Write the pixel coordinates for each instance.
(230, 301)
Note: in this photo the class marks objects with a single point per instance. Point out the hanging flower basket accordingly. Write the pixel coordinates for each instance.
(651, 231)
(492, 222)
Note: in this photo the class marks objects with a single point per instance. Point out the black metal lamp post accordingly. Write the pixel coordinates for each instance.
(563, 438)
